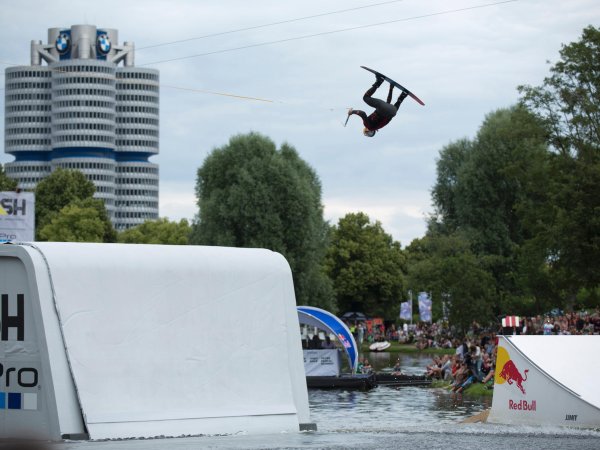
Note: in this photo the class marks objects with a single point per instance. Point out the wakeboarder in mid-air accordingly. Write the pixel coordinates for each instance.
(384, 110)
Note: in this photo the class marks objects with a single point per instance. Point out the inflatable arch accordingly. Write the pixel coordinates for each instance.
(324, 320)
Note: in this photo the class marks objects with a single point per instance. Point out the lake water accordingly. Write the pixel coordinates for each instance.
(383, 418)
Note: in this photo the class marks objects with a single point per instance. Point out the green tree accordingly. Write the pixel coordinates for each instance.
(479, 190)
(109, 234)
(445, 266)
(566, 218)
(448, 168)
(6, 184)
(160, 231)
(568, 102)
(75, 223)
(366, 266)
(250, 194)
(56, 191)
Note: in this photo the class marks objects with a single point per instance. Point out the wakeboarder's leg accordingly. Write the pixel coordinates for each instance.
(400, 99)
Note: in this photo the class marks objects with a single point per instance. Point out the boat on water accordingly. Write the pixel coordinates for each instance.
(379, 346)
(358, 381)
(365, 382)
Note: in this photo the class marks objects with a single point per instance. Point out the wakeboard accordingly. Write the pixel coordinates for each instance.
(396, 84)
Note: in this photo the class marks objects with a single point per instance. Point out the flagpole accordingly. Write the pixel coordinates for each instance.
(411, 305)
(431, 306)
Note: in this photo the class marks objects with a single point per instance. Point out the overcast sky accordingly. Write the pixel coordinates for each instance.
(463, 65)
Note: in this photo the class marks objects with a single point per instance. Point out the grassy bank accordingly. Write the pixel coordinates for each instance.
(410, 348)
(476, 389)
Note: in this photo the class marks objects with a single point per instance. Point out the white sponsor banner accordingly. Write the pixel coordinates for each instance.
(322, 363)
(17, 216)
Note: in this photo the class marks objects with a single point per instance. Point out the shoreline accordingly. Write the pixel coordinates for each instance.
(475, 389)
(409, 348)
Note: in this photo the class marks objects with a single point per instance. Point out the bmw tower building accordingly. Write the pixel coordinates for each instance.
(88, 109)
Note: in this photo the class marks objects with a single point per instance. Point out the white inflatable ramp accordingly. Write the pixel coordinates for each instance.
(547, 380)
(106, 341)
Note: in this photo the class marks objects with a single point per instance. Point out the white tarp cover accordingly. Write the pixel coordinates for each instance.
(159, 337)
(548, 380)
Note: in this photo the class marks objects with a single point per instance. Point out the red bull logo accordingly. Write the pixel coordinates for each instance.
(344, 341)
(511, 374)
(507, 371)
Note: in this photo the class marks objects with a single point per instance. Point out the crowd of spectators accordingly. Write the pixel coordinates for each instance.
(585, 322)
(441, 335)
(473, 362)
(475, 356)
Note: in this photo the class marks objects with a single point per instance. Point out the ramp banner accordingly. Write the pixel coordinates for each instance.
(406, 310)
(17, 216)
(322, 363)
(425, 307)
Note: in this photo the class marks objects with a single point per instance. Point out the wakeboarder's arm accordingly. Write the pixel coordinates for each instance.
(360, 113)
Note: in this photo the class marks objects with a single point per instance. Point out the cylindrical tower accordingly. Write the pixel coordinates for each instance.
(83, 112)
(27, 123)
(83, 122)
(137, 140)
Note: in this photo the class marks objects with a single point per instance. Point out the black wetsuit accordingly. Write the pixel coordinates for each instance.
(384, 111)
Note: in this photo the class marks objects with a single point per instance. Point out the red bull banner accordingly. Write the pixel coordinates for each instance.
(545, 381)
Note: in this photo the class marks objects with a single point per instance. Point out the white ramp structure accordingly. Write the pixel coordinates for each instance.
(547, 380)
(106, 341)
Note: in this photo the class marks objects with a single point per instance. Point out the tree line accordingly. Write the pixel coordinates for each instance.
(65, 211)
(515, 227)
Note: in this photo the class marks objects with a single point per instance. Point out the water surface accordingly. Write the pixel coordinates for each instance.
(383, 418)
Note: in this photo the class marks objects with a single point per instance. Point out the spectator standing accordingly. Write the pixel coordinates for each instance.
(361, 333)
(327, 344)
(548, 327)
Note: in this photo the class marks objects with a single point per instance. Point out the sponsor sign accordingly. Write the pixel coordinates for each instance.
(543, 380)
(508, 372)
(17, 216)
(19, 378)
(522, 405)
(424, 306)
(321, 362)
(406, 310)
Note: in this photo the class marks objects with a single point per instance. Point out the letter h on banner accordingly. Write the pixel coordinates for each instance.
(17, 321)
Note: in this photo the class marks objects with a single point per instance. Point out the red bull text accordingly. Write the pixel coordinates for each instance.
(522, 405)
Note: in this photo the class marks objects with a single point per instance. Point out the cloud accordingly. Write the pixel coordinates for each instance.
(401, 214)
(463, 65)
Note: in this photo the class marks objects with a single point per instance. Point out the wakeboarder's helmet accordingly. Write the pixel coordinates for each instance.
(369, 133)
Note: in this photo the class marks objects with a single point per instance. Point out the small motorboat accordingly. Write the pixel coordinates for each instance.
(379, 346)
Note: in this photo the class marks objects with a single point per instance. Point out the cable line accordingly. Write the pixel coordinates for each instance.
(268, 24)
(280, 41)
(324, 33)
(243, 97)
(125, 81)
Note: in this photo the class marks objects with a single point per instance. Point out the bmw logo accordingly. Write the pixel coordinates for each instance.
(103, 44)
(63, 43)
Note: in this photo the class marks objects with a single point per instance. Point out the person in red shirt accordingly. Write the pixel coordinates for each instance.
(384, 111)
